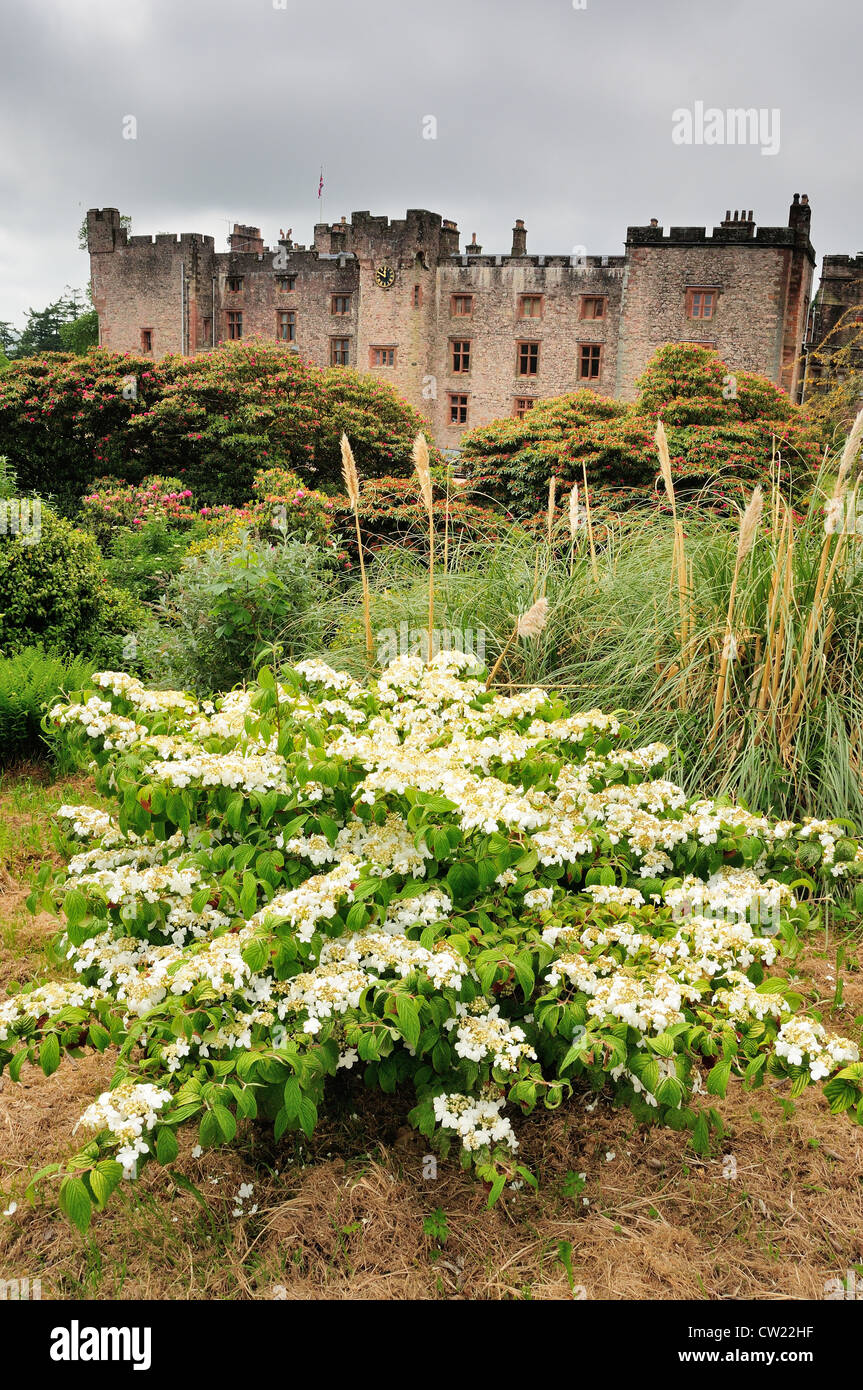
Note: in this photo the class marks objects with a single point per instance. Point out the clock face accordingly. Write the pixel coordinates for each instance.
(385, 276)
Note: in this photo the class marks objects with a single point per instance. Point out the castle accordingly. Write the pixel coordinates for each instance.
(465, 336)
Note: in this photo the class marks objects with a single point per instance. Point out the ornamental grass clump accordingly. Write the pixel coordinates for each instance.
(483, 901)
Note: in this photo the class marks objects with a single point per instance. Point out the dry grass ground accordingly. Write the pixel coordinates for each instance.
(353, 1214)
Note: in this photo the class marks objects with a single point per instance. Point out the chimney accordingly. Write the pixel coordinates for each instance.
(245, 238)
(741, 221)
(519, 239)
(800, 215)
(473, 249)
(448, 238)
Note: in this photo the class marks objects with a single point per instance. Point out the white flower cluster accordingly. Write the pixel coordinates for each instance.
(421, 731)
(801, 1038)
(87, 821)
(481, 1033)
(129, 1112)
(44, 1002)
(475, 1119)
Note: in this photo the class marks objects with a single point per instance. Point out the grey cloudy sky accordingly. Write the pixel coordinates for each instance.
(559, 115)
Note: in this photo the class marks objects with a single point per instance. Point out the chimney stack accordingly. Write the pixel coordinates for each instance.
(474, 249)
(519, 239)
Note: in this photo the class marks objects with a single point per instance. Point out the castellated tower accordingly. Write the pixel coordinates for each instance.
(464, 335)
(741, 290)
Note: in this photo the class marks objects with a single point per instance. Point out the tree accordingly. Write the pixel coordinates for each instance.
(724, 430)
(43, 330)
(212, 420)
(82, 333)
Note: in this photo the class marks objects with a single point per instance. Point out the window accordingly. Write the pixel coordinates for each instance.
(461, 306)
(382, 357)
(235, 283)
(340, 352)
(418, 296)
(522, 405)
(208, 331)
(235, 323)
(528, 359)
(286, 325)
(590, 361)
(592, 306)
(460, 354)
(700, 304)
(340, 304)
(146, 340)
(530, 306)
(286, 282)
(458, 410)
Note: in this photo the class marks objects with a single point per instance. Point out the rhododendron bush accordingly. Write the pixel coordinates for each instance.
(484, 900)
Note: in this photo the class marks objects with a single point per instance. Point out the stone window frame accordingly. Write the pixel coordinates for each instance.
(458, 404)
(459, 350)
(417, 299)
(593, 299)
(291, 315)
(458, 313)
(701, 291)
(286, 284)
(381, 348)
(147, 339)
(336, 359)
(597, 351)
(524, 355)
(235, 321)
(341, 313)
(522, 405)
(234, 284)
(530, 318)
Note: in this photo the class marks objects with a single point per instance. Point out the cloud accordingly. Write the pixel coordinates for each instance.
(560, 116)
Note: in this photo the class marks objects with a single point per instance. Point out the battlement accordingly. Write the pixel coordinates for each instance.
(835, 265)
(736, 230)
(400, 297)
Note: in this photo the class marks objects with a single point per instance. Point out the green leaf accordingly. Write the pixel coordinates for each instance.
(226, 1122)
(75, 1202)
(255, 955)
(409, 1021)
(293, 1098)
(718, 1078)
(49, 1054)
(167, 1147)
(701, 1136)
(307, 1115)
(104, 1178)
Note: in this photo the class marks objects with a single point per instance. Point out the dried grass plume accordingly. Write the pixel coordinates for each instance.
(531, 623)
(350, 474)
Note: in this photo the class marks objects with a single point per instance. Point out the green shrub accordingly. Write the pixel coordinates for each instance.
(487, 905)
(226, 604)
(113, 505)
(142, 560)
(30, 682)
(54, 589)
(724, 430)
(213, 420)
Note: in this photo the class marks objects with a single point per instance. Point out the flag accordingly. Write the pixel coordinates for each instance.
(321, 184)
